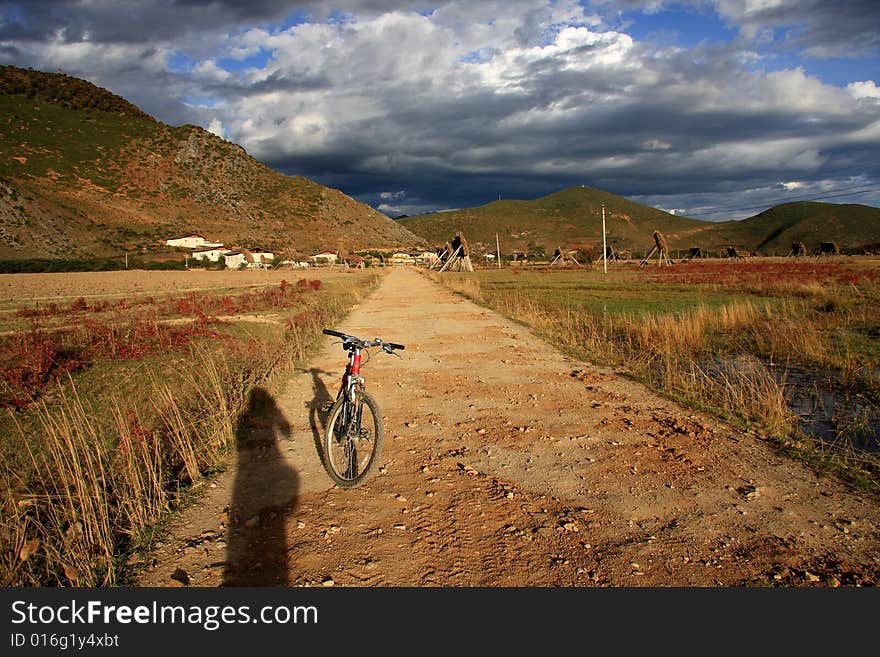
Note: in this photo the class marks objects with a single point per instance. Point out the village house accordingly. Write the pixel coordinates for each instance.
(291, 261)
(255, 258)
(325, 258)
(260, 258)
(234, 259)
(212, 254)
(427, 258)
(401, 258)
(191, 241)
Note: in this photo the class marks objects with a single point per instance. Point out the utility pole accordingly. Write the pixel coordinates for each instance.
(604, 247)
(498, 250)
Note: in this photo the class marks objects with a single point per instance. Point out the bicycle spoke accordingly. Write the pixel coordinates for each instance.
(353, 440)
(352, 470)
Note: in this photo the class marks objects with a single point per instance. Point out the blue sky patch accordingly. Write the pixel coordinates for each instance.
(677, 26)
(257, 60)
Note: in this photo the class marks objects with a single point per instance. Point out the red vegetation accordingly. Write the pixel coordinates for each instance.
(80, 306)
(277, 298)
(305, 284)
(28, 362)
(31, 360)
(761, 274)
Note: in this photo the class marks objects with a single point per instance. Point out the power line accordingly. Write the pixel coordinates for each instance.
(809, 197)
(790, 199)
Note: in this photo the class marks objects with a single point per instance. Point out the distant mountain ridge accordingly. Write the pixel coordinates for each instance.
(572, 218)
(85, 173)
(851, 226)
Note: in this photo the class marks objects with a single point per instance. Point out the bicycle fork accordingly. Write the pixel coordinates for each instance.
(352, 409)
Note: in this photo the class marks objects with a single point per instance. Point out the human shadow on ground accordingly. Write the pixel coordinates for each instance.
(264, 494)
(319, 408)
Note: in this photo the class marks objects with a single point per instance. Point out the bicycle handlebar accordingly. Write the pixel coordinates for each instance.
(350, 339)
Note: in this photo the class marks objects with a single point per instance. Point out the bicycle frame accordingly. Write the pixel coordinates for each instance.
(352, 377)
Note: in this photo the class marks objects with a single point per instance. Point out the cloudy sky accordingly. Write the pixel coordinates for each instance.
(716, 109)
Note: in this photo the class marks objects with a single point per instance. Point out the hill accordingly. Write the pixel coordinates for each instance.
(572, 218)
(851, 226)
(85, 173)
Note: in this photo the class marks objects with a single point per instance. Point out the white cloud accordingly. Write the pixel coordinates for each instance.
(208, 72)
(216, 127)
(656, 145)
(864, 89)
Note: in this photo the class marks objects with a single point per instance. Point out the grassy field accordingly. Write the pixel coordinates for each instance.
(790, 348)
(119, 396)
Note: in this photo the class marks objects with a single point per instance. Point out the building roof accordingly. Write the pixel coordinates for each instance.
(181, 237)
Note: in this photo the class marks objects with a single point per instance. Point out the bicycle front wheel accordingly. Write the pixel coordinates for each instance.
(353, 439)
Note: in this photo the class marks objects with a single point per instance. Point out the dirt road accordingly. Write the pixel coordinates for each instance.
(509, 464)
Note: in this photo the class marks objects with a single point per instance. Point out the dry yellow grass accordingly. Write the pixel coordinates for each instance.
(104, 471)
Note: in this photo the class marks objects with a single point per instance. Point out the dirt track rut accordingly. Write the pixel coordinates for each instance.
(507, 463)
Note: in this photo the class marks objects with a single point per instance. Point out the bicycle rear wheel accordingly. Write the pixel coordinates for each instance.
(353, 440)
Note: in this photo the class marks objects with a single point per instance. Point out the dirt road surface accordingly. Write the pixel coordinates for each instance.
(507, 463)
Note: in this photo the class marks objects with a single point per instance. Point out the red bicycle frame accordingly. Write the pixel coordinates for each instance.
(352, 372)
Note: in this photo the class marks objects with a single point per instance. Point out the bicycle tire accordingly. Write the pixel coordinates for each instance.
(347, 466)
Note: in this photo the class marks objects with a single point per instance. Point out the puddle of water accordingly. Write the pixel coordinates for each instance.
(829, 411)
(824, 408)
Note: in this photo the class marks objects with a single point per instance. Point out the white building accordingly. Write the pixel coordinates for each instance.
(192, 241)
(325, 258)
(401, 258)
(212, 254)
(261, 257)
(427, 258)
(234, 259)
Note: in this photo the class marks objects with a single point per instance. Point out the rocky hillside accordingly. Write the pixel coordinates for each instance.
(85, 173)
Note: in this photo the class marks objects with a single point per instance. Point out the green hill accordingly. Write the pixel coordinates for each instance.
(572, 219)
(85, 173)
(851, 226)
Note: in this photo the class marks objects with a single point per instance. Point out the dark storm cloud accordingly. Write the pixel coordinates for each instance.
(131, 21)
(821, 28)
(675, 146)
(471, 101)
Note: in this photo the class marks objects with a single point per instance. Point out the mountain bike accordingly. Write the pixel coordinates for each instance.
(353, 437)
